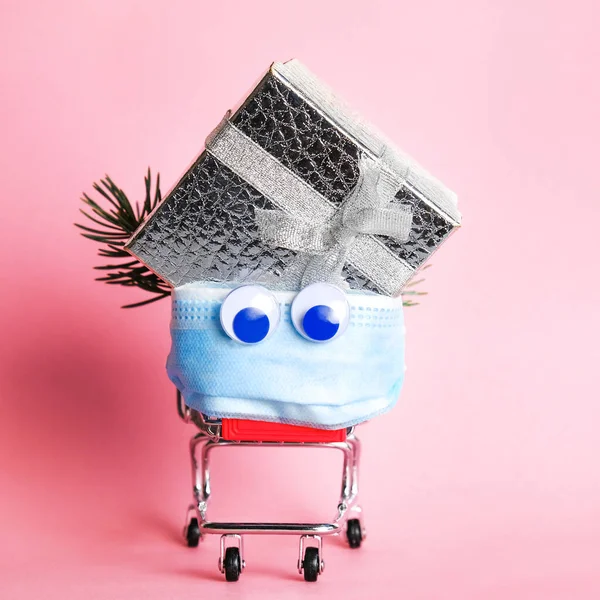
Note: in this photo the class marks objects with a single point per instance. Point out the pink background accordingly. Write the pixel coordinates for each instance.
(484, 482)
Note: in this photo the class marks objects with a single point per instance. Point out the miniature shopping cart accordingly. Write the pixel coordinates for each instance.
(286, 247)
(218, 433)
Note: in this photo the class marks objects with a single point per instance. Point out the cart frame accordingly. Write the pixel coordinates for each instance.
(348, 516)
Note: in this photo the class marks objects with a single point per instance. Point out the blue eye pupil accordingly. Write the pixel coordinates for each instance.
(320, 323)
(251, 325)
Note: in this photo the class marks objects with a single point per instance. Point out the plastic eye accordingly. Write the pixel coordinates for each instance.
(320, 312)
(249, 314)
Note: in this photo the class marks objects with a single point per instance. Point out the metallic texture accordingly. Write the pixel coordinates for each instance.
(310, 225)
(205, 229)
(329, 241)
(266, 174)
(429, 230)
(365, 137)
(301, 138)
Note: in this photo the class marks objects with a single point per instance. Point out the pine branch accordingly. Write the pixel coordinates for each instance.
(113, 226)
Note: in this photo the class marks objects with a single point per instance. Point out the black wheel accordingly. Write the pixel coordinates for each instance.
(192, 533)
(233, 564)
(354, 533)
(311, 564)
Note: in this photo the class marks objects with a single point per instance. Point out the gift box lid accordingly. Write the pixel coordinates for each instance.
(293, 188)
(367, 137)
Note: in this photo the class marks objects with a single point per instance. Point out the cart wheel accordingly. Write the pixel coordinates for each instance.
(232, 564)
(354, 533)
(192, 533)
(311, 564)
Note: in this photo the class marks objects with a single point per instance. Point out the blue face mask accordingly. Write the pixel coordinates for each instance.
(351, 373)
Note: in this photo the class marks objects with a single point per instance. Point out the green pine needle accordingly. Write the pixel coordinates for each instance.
(114, 225)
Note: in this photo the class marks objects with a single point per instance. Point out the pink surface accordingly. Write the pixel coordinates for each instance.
(484, 481)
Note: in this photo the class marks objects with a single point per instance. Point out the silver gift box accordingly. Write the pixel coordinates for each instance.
(269, 199)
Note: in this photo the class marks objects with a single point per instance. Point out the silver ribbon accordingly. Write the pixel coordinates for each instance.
(325, 237)
(364, 212)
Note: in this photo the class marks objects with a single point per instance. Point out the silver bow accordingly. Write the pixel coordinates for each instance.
(323, 246)
(324, 236)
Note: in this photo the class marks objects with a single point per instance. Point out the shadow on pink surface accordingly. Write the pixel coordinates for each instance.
(70, 425)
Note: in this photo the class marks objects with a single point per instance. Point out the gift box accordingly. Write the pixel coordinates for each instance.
(292, 188)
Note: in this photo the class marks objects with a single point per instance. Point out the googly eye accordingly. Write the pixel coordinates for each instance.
(249, 314)
(320, 312)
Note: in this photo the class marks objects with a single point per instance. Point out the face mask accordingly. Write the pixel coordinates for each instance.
(286, 378)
